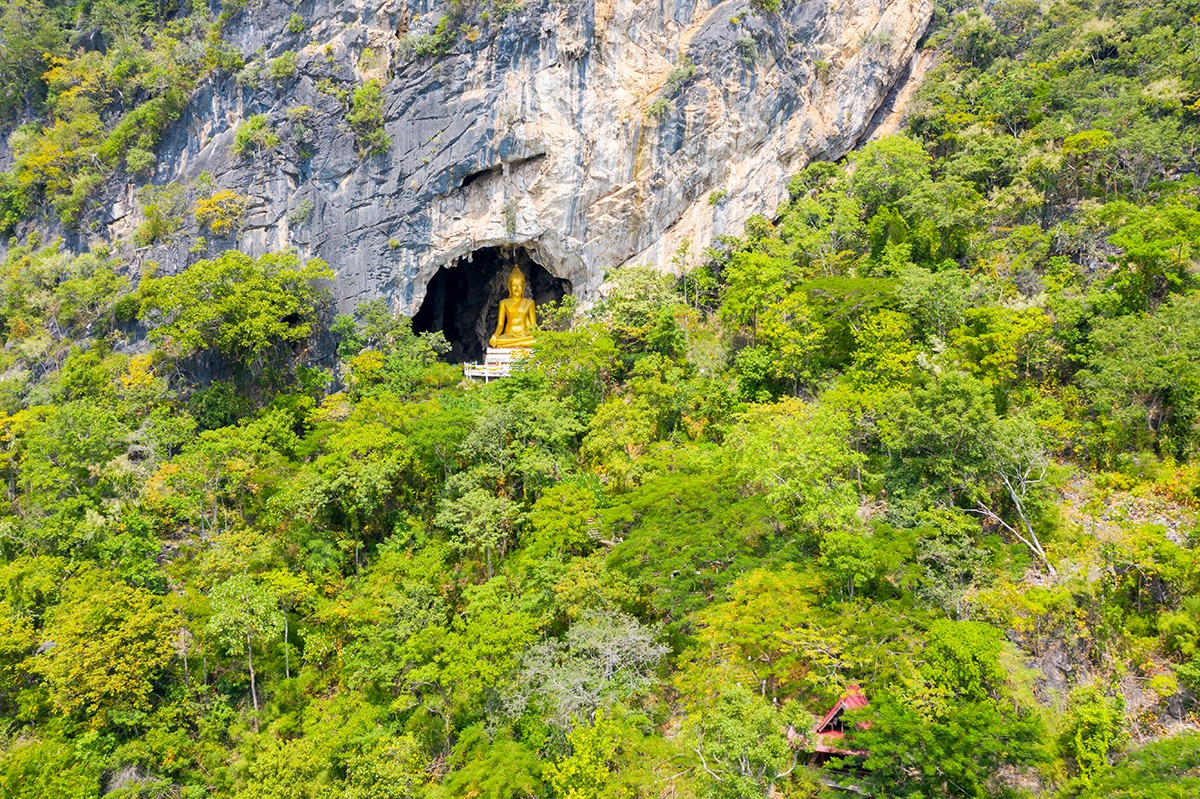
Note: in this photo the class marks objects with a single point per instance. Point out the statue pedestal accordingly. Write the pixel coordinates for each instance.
(497, 362)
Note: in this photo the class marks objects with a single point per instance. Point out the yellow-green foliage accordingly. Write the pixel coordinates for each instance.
(236, 304)
(164, 209)
(93, 128)
(222, 212)
(932, 428)
(111, 644)
(254, 135)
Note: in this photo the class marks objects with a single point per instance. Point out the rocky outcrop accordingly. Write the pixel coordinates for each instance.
(592, 133)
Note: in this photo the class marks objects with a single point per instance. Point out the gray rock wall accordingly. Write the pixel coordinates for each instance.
(536, 133)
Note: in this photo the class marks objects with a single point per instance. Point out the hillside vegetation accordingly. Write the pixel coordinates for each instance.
(934, 429)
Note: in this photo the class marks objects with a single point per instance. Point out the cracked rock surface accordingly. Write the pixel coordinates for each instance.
(575, 129)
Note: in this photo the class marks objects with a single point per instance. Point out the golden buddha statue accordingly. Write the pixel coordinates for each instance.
(518, 316)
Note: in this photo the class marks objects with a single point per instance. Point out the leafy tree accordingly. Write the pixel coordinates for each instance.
(790, 331)
(235, 304)
(359, 479)
(578, 364)
(479, 521)
(753, 282)
(520, 439)
(563, 521)
(883, 355)
(638, 311)
(392, 768)
(887, 170)
(243, 612)
(1002, 346)
(1143, 375)
(211, 483)
(454, 668)
(29, 33)
(1093, 729)
(768, 629)
(798, 454)
(741, 745)
(951, 562)
(491, 766)
(952, 752)
(17, 641)
(963, 657)
(603, 658)
(111, 644)
(590, 769)
(951, 736)
(33, 769)
(850, 559)
(1166, 768)
(936, 439)
(255, 134)
(686, 534)
(222, 211)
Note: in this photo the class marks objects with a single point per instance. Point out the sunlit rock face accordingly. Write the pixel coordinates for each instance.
(553, 128)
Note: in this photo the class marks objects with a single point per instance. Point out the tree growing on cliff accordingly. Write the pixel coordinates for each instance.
(366, 119)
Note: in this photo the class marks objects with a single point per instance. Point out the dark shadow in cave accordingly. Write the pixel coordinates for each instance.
(463, 298)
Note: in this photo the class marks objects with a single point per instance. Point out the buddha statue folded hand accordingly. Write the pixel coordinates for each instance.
(518, 316)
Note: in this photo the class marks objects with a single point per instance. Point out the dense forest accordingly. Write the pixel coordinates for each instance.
(932, 429)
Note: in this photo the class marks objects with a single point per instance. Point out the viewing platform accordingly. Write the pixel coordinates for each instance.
(497, 363)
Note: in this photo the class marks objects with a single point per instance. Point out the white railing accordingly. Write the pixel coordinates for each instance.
(497, 363)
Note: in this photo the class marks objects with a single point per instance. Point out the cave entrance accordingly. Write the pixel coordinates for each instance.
(463, 298)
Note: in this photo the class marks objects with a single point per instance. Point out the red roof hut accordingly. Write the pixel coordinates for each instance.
(830, 730)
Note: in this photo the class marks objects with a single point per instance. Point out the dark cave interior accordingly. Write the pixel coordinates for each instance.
(463, 298)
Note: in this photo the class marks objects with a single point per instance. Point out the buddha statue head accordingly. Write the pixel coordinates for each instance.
(516, 283)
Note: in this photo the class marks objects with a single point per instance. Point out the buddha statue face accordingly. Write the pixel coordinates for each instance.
(516, 284)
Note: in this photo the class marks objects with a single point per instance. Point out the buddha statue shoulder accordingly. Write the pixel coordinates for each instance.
(518, 316)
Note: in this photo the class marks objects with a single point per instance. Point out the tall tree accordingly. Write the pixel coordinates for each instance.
(243, 612)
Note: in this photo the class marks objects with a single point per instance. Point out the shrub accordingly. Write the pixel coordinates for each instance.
(125, 309)
(163, 209)
(254, 135)
(679, 76)
(659, 108)
(366, 119)
(295, 24)
(221, 212)
(249, 75)
(434, 44)
(765, 6)
(71, 207)
(302, 214)
(14, 202)
(138, 161)
(283, 67)
(747, 50)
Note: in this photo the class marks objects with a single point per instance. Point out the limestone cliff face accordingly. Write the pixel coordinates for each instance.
(534, 130)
